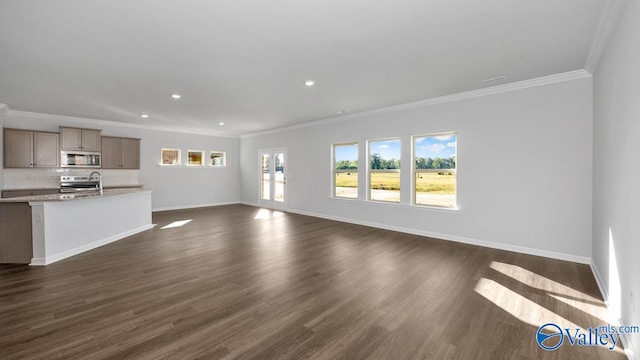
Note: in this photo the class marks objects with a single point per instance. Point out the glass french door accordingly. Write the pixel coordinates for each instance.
(273, 182)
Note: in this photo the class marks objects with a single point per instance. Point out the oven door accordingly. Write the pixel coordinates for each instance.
(73, 187)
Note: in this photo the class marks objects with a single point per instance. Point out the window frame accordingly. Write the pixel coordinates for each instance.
(179, 158)
(334, 171)
(369, 170)
(415, 171)
(224, 158)
(202, 157)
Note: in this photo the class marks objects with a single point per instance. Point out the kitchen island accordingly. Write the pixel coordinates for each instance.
(65, 225)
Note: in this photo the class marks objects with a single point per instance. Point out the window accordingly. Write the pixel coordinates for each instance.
(195, 158)
(435, 170)
(170, 156)
(384, 170)
(218, 158)
(345, 169)
(265, 189)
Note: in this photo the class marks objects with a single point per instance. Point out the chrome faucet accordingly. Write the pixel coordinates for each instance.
(99, 179)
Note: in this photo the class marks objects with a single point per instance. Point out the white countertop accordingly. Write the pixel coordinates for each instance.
(73, 197)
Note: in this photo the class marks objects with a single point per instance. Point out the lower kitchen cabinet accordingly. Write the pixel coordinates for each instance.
(28, 192)
(16, 245)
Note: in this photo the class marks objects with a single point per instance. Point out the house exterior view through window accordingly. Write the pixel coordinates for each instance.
(345, 170)
(384, 170)
(434, 171)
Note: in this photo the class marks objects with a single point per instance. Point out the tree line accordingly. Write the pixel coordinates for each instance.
(437, 163)
(378, 163)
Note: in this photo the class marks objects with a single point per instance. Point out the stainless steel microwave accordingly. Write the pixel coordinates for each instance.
(80, 159)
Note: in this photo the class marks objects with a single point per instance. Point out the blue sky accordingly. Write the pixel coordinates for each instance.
(348, 152)
(388, 149)
(442, 146)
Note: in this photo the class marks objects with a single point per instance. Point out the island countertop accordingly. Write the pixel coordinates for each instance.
(73, 196)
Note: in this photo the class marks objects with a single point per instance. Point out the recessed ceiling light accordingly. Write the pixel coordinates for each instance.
(221, 123)
(144, 116)
(176, 96)
(309, 83)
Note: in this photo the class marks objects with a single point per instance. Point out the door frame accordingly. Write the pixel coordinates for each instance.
(271, 203)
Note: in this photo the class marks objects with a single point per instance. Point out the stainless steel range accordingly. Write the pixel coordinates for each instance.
(81, 184)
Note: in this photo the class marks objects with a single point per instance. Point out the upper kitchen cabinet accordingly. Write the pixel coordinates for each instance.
(27, 149)
(120, 153)
(79, 139)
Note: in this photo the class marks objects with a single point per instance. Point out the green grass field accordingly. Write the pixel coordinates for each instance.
(425, 182)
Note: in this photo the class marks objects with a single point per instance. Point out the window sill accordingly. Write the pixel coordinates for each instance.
(400, 205)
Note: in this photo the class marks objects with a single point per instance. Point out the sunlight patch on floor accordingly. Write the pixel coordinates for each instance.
(540, 282)
(176, 224)
(592, 309)
(264, 214)
(519, 306)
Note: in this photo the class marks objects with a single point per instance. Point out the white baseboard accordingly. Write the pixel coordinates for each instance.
(250, 204)
(39, 261)
(63, 255)
(460, 239)
(185, 207)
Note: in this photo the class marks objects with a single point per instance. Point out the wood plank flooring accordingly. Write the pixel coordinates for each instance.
(237, 282)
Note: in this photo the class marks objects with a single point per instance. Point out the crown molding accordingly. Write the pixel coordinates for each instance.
(97, 122)
(519, 85)
(525, 84)
(610, 15)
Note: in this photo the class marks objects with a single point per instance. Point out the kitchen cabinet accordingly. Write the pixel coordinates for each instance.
(16, 245)
(120, 153)
(28, 192)
(27, 149)
(79, 139)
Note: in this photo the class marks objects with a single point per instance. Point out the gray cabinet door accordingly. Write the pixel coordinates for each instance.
(46, 151)
(16, 245)
(70, 139)
(130, 153)
(120, 153)
(80, 139)
(91, 140)
(18, 148)
(111, 153)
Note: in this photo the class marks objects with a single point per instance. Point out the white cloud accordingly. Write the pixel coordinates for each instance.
(451, 144)
(383, 146)
(434, 148)
(443, 137)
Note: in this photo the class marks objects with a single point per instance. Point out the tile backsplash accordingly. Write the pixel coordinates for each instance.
(50, 178)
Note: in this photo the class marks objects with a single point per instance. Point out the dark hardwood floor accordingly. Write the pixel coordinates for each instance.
(237, 282)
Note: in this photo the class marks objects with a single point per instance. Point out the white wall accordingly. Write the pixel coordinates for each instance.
(617, 169)
(173, 187)
(524, 169)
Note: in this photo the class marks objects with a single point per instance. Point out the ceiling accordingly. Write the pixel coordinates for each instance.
(244, 62)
